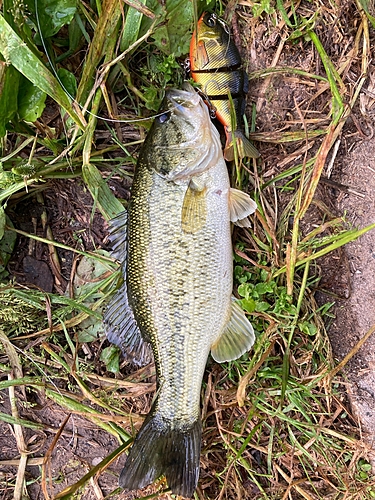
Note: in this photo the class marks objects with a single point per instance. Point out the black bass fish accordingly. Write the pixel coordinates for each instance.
(215, 64)
(175, 246)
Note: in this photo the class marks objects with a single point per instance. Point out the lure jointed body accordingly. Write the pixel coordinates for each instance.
(216, 66)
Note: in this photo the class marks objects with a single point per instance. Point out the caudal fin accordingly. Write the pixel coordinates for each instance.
(160, 449)
(244, 146)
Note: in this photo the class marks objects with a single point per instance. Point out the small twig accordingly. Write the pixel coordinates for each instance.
(342, 187)
(332, 160)
(16, 462)
(97, 491)
(352, 353)
(137, 5)
(47, 458)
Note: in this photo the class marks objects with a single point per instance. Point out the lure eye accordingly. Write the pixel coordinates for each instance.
(211, 21)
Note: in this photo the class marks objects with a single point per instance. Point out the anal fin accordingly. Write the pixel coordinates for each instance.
(236, 338)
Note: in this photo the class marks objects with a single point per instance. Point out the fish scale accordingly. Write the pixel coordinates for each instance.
(176, 294)
(196, 264)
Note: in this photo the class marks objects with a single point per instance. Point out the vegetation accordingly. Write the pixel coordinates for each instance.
(80, 83)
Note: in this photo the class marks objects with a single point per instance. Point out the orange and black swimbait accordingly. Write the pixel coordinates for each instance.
(215, 64)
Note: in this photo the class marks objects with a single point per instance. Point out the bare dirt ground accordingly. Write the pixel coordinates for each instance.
(356, 314)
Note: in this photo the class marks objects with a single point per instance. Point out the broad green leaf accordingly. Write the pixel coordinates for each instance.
(246, 290)
(248, 305)
(262, 288)
(16, 52)
(88, 334)
(174, 37)
(52, 14)
(68, 81)
(308, 328)
(111, 357)
(262, 306)
(9, 82)
(31, 101)
(131, 27)
(108, 204)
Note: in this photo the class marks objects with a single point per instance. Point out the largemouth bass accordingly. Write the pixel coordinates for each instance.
(216, 65)
(177, 291)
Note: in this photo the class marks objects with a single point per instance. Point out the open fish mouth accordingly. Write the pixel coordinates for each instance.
(202, 143)
(187, 105)
(183, 102)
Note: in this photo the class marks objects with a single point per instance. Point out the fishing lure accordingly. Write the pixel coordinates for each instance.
(215, 64)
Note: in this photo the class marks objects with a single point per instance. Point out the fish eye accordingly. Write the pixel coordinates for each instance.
(163, 118)
(211, 20)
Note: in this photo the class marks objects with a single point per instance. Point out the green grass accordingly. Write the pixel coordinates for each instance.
(276, 422)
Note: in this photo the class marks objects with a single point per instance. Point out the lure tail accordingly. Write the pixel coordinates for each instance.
(243, 145)
(160, 449)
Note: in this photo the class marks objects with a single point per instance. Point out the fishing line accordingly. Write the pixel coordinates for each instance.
(54, 71)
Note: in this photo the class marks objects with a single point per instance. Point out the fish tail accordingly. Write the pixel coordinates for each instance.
(243, 145)
(161, 448)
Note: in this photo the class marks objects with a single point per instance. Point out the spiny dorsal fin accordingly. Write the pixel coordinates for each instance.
(194, 208)
(240, 207)
(236, 338)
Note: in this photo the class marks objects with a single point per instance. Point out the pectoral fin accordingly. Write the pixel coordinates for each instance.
(237, 337)
(194, 208)
(240, 206)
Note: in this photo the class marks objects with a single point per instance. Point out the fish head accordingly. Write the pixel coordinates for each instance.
(182, 141)
(211, 26)
(210, 44)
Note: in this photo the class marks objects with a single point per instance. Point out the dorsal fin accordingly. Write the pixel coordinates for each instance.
(120, 325)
